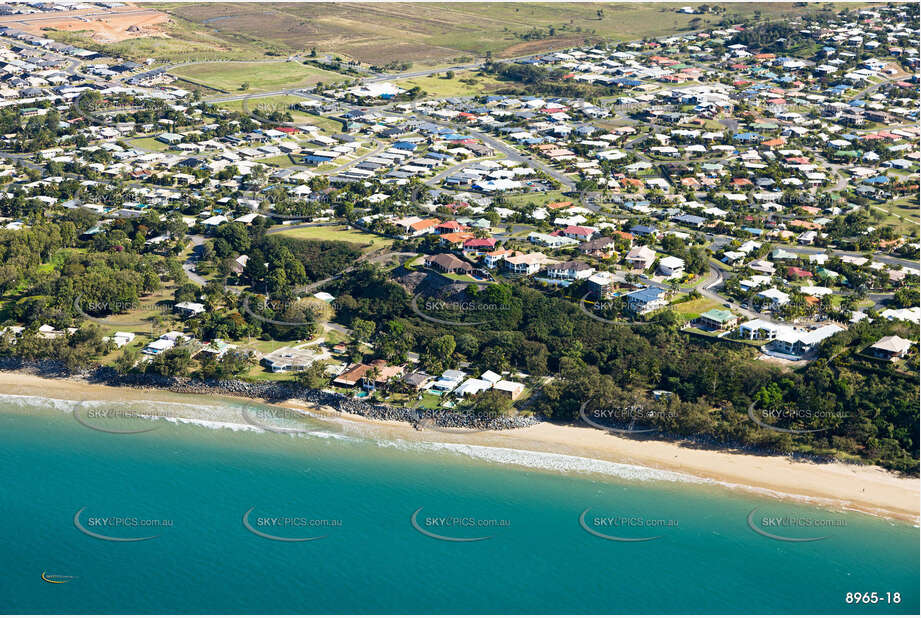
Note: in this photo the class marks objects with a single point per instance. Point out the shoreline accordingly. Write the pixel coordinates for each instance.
(867, 489)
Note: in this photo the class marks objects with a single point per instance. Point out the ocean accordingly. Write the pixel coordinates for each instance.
(206, 517)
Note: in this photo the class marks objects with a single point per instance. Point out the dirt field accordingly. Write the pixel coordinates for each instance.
(106, 25)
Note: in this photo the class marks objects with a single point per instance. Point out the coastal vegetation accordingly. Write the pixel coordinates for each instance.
(59, 273)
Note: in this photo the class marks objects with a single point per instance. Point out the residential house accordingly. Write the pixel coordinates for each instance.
(579, 232)
(188, 309)
(717, 319)
(570, 270)
(890, 348)
(447, 263)
(527, 264)
(417, 380)
(640, 258)
(602, 247)
(671, 266)
(510, 389)
(602, 284)
(647, 299)
(775, 298)
(357, 375)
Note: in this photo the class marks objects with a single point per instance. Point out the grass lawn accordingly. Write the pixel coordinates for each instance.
(268, 104)
(541, 199)
(429, 401)
(263, 346)
(260, 76)
(693, 308)
(141, 319)
(416, 262)
(149, 143)
(279, 161)
(262, 374)
(904, 208)
(338, 232)
(138, 344)
(902, 217)
(327, 125)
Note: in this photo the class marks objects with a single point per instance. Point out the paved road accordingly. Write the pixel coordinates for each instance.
(22, 159)
(509, 151)
(189, 265)
(715, 281)
(353, 162)
(435, 180)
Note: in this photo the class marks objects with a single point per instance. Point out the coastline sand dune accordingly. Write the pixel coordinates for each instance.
(867, 489)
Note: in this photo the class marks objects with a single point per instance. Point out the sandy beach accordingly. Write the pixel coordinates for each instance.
(867, 489)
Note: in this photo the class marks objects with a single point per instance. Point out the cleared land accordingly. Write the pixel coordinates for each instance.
(432, 33)
(464, 83)
(99, 25)
(257, 76)
(177, 40)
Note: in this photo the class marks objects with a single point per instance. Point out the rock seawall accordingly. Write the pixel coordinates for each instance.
(275, 391)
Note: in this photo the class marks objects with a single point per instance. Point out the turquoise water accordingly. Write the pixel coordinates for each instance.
(537, 559)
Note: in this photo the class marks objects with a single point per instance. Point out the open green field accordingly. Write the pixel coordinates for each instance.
(435, 33)
(282, 161)
(337, 232)
(903, 215)
(152, 313)
(518, 200)
(439, 86)
(258, 76)
(692, 308)
(282, 102)
(149, 143)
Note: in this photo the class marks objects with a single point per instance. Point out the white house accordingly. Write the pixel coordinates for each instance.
(671, 266)
(775, 297)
